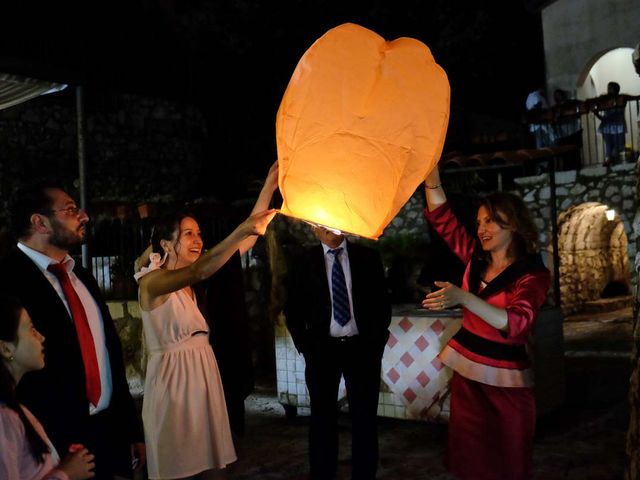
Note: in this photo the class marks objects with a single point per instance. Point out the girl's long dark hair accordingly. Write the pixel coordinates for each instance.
(10, 310)
(509, 211)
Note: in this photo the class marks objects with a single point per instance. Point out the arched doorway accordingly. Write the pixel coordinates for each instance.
(594, 261)
(614, 65)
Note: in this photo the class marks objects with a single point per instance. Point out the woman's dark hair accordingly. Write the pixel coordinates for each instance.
(165, 227)
(10, 310)
(509, 211)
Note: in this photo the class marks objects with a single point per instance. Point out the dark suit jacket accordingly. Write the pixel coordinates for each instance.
(308, 305)
(56, 394)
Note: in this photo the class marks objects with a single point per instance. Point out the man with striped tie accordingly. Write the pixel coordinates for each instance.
(338, 313)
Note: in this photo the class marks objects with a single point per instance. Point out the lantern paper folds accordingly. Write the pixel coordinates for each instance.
(361, 124)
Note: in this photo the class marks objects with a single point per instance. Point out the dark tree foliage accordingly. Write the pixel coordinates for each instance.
(233, 59)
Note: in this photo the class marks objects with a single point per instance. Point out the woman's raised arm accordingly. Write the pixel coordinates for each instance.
(433, 190)
(162, 282)
(264, 199)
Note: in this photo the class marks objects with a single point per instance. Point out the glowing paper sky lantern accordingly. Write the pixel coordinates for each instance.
(360, 125)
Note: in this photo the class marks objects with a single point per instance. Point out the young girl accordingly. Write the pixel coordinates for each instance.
(27, 453)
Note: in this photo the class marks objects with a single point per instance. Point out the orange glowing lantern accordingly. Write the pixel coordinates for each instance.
(360, 125)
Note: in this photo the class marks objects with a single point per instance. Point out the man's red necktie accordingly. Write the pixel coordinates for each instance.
(87, 346)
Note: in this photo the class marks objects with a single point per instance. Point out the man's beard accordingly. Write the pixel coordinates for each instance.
(66, 239)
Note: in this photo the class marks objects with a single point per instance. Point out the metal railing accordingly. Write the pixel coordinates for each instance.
(605, 129)
(115, 244)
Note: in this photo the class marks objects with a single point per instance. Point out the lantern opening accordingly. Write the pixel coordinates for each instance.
(330, 229)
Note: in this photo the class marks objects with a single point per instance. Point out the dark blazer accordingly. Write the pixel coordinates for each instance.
(56, 394)
(308, 305)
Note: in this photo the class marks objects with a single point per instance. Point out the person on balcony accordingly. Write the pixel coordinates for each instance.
(613, 125)
(541, 129)
(568, 130)
(493, 412)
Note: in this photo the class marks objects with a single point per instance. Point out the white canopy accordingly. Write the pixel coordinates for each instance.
(15, 89)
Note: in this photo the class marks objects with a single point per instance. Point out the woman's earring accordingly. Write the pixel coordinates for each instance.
(6, 352)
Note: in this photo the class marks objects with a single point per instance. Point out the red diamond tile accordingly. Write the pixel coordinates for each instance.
(422, 343)
(405, 324)
(407, 359)
(423, 379)
(410, 395)
(393, 375)
(392, 341)
(437, 364)
(437, 327)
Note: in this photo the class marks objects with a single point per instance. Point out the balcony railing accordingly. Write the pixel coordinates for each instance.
(116, 242)
(605, 129)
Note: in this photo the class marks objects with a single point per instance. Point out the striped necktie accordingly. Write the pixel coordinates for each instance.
(341, 310)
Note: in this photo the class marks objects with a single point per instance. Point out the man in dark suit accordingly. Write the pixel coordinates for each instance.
(338, 313)
(81, 396)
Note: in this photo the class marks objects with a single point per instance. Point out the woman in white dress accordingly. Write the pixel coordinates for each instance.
(187, 431)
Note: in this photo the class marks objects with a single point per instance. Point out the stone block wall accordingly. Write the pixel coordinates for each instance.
(593, 250)
(126, 316)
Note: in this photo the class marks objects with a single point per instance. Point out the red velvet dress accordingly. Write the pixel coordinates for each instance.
(492, 422)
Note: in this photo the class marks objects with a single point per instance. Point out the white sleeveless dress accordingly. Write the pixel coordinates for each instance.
(186, 426)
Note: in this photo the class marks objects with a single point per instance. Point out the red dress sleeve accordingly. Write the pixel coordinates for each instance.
(529, 294)
(451, 231)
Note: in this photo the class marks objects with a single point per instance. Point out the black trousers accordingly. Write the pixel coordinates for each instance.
(359, 361)
(104, 439)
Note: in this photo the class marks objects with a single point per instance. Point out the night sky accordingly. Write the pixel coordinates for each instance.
(233, 59)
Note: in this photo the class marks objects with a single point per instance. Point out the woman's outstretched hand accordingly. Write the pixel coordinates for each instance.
(448, 296)
(257, 224)
(78, 464)
(271, 182)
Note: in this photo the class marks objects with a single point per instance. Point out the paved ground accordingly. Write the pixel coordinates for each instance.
(584, 439)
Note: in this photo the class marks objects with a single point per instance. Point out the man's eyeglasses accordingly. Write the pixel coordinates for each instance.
(73, 211)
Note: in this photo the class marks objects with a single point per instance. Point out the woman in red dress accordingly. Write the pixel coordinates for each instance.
(492, 421)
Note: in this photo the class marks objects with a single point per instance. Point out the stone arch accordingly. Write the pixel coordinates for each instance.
(593, 254)
(613, 64)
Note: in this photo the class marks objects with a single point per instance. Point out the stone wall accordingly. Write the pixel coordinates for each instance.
(576, 30)
(593, 250)
(126, 316)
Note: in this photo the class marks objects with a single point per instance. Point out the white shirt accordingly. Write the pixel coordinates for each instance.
(94, 318)
(335, 329)
(536, 100)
